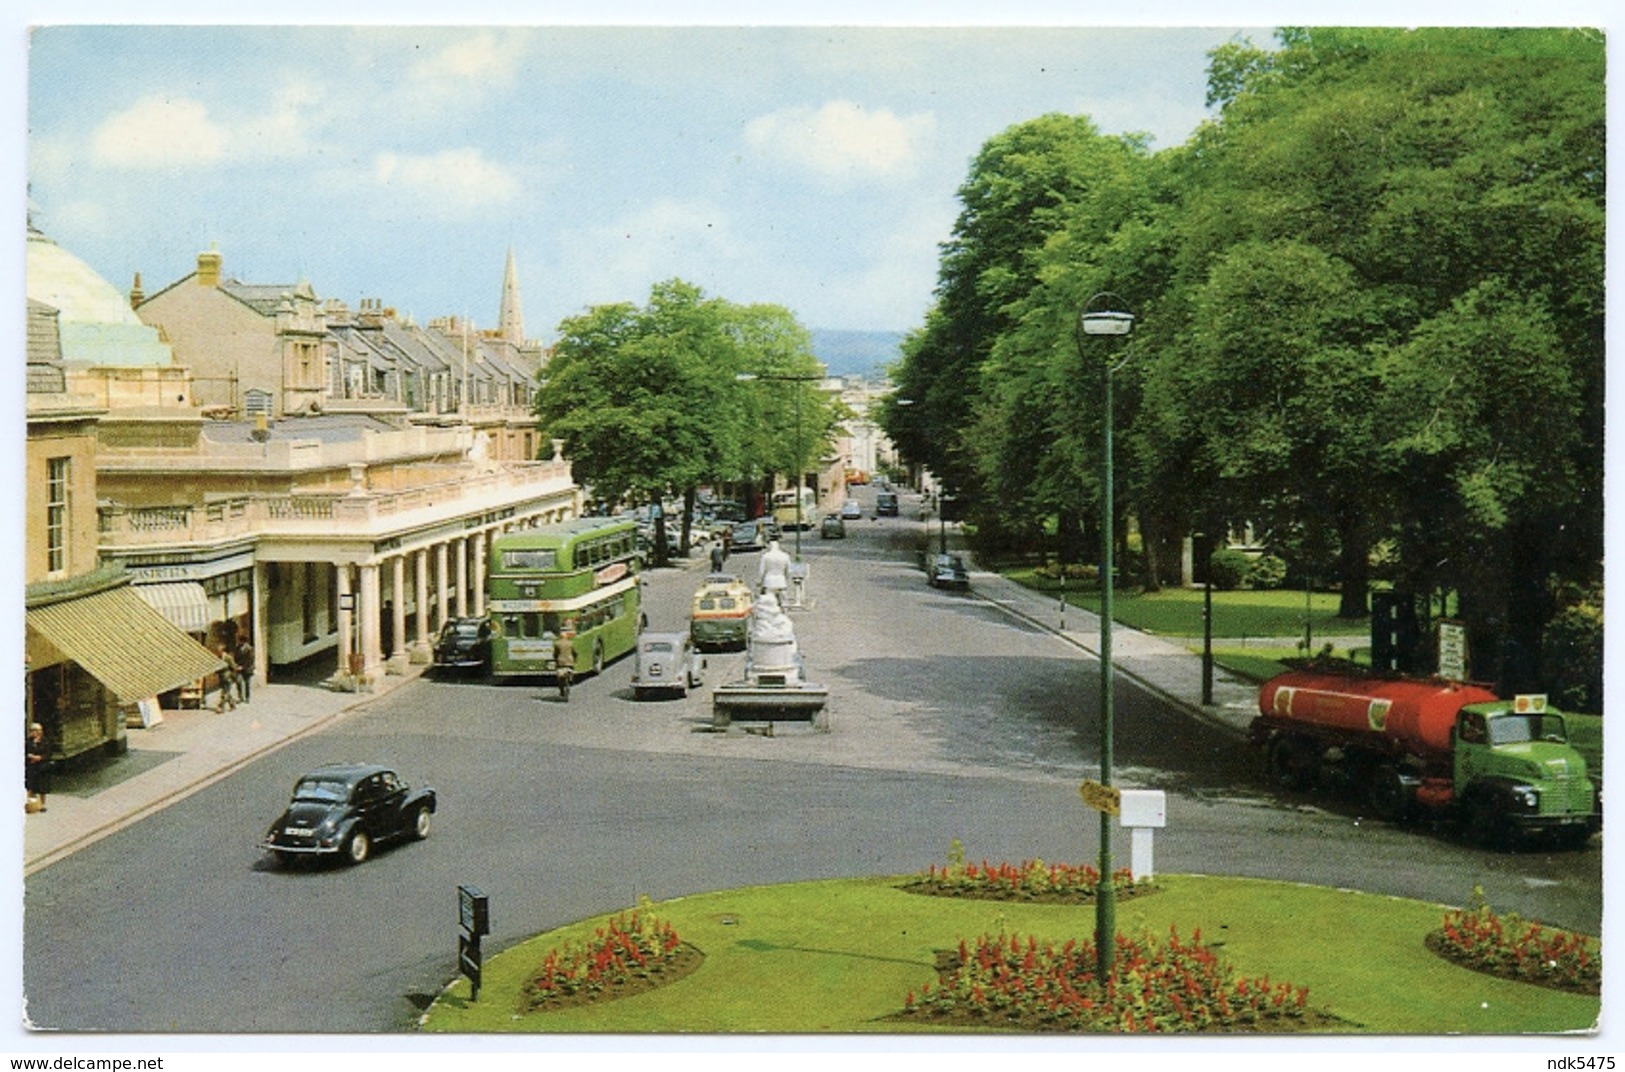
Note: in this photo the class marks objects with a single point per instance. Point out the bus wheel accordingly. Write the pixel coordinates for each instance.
(598, 657)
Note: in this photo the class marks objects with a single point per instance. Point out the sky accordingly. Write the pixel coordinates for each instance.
(814, 168)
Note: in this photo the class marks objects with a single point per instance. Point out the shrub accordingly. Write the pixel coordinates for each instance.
(1571, 655)
(1265, 573)
(1227, 568)
(1075, 571)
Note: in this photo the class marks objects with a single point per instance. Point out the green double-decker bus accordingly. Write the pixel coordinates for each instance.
(579, 575)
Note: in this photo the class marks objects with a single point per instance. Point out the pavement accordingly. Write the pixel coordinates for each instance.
(188, 750)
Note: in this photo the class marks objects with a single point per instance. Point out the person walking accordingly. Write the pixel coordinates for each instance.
(228, 682)
(245, 668)
(718, 556)
(37, 769)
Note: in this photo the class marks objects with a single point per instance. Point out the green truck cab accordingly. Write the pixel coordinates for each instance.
(1515, 773)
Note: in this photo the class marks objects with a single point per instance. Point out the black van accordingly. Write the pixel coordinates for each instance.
(886, 504)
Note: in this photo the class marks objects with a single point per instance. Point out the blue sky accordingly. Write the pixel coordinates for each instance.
(814, 168)
(809, 166)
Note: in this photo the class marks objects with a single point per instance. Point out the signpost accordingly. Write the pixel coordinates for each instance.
(1452, 650)
(1104, 798)
(1140, 810)
(474, 920)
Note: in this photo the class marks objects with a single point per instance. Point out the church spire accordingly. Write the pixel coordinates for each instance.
(511, 320)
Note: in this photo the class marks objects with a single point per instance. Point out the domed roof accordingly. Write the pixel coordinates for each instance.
(97, 325)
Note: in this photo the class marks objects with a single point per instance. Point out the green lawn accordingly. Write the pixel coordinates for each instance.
(839, 956)
(1239, 615)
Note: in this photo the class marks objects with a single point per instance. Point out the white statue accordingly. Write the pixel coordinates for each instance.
(773, 572)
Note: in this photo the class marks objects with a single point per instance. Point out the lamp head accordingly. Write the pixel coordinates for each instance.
(1107, 323)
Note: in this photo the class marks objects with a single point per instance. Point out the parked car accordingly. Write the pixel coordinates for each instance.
(754, 535)
(747, 536)
(886, 504)
(345, 809)
(666, 662)
(947, 571)
(832, 527)
(464, 645)
(721, 612)
(850, 510)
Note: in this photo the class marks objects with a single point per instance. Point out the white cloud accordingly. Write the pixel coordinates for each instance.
(842, 139)
(455, 181)
(484, 56)
(691, 240)
(468, 67)
(159, 133)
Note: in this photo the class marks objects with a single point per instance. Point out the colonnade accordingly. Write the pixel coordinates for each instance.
(424, 587)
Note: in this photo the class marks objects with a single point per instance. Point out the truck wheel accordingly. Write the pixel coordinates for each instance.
(1390, 798)
(1483, 824)
(1290, 766)
(1574, 838)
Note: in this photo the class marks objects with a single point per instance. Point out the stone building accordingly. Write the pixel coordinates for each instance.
(333, 491)
(93, 649)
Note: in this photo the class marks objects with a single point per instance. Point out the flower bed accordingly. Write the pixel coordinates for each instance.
(1511, 948)
(1174, 985)
(633, 952)
(1030, 880)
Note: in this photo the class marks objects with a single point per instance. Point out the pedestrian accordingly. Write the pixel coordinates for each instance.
(564, 661)
(718, 556)
(37, 769)
(228, 682)
(245, 668)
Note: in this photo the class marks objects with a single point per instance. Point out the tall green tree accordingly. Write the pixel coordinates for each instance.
(652, 403)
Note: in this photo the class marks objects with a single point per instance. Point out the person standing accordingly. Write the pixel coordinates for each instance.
(37, 772)
(718, 556)
(228, 681)
(245, 668)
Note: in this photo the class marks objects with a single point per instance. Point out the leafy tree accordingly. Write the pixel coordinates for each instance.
(650, 404)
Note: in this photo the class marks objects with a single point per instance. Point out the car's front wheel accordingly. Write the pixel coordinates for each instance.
(358, 848)
(420, 823)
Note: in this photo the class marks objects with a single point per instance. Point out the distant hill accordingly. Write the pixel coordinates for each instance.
(856, 353)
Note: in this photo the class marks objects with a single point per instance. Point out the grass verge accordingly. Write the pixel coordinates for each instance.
(839, 956)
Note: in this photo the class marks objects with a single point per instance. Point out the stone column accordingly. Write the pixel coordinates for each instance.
(397, 625)
(256, 628)
(440, 615)
(422, 647)
(341, 574)
(482, 542)
(460, 549)
(369, 606)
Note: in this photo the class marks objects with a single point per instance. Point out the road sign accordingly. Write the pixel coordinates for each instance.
(1106, 798)
(1452, 651)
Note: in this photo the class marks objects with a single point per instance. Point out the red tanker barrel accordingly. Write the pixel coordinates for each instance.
(1418, 714)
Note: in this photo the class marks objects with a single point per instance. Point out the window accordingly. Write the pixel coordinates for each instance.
(58, 472)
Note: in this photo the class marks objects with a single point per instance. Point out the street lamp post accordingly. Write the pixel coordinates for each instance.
(1105, 321)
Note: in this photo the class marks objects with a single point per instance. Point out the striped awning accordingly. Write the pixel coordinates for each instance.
(123, 643)
(184, 603)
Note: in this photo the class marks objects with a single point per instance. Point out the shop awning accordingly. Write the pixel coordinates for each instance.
(123, 643)
(184, 603)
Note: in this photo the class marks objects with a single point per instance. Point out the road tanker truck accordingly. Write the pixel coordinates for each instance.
(1502, 770)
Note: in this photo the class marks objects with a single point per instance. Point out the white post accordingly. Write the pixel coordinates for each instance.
(1142, 811)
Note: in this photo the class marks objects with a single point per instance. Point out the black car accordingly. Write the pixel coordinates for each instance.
(947, 571)
(464, 644)
(345, 809)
